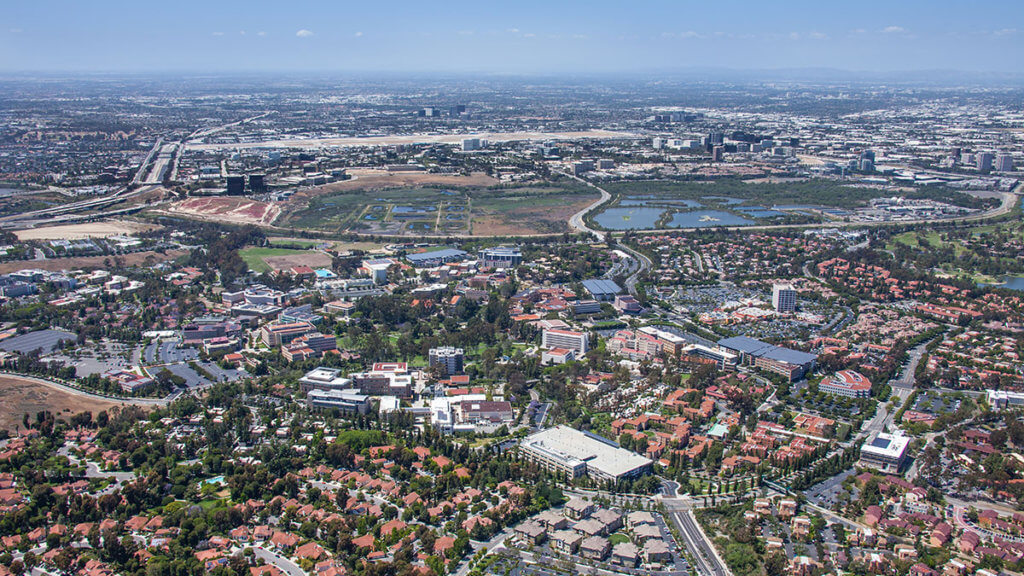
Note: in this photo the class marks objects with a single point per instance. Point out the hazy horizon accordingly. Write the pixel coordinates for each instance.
(527, 38)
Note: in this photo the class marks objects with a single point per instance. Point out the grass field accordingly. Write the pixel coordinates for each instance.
(480, 211)
(254, 256)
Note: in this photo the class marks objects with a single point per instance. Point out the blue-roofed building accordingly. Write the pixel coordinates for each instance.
(602, 290)
(793, 364)
(435, 258)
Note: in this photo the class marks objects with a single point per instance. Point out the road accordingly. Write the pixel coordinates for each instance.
(705, 558)
(289, 567)
(576, 222)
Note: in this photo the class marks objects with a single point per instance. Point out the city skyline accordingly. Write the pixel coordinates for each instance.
(525, 38)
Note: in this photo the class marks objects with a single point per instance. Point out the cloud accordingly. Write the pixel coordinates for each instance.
(241, 32)
(513, 30)
(818, 36)
(218, 33)
(15, 30)
(530, 35)
(466, 32)
(261, 33)
(358, 34)
(794, 36)
(685, 35)
(894, 30)
(1005, 32)
(304, 33)
(580, 36)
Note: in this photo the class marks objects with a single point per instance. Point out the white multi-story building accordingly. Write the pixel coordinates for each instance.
(784, 298)
(576, 341)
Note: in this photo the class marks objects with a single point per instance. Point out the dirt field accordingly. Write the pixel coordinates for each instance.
(311, 259)
(87, 230)
(528, 220)
(369, 179)
(227, 209)
(19, 397)
(58, 264)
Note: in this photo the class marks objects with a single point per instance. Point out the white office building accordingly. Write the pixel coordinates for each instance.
(578, 342)
(884, 452)
(577, 453)
(784, 298)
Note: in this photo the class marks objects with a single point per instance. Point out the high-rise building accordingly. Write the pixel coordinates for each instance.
(236, 185)
(471, 144)
(717, 154)
(450, 360)
(985, 161)
(658, 143)
(784, 298)
(1004, 162)
(577, 341)
(257, 185)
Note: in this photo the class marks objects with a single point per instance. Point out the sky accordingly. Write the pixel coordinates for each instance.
(497, 37)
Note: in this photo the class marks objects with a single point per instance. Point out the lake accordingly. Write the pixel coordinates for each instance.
(632, 218)
(1010, 282)
(707, 219)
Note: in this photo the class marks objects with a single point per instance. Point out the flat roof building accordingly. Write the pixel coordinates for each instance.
(884, 452)
(602, 290)
(792, 364)
(435, 258)
(501, 257)
(577, 453)
(575, 341)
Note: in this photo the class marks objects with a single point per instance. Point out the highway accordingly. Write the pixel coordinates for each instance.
(576, 222)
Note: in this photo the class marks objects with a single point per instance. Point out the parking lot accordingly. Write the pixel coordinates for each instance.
(45, 340)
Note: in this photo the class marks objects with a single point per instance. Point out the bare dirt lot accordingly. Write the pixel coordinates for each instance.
(101, 229)
(370, 179)
(19, 397)
(58, 264)
(232, 209)
(526, 220)
(311, 259)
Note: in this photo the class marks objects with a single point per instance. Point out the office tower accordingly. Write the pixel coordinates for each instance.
(984, 161)
(784, 298)
(236, 185)
(1004, 162)
(257, 184)
(717, 154)
(470, 144)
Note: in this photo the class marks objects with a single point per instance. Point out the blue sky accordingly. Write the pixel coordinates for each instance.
(526, 36)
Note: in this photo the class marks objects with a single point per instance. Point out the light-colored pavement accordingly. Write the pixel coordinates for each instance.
(289, 567)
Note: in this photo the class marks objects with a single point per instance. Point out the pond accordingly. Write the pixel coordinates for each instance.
(760, 212)
(725, 200)
(631, 218)
(1009, 282)
(661, 202)
(707, 219)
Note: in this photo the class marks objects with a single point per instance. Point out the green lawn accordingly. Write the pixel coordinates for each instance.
(294, 242)
(253, 256)
(618, 539)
